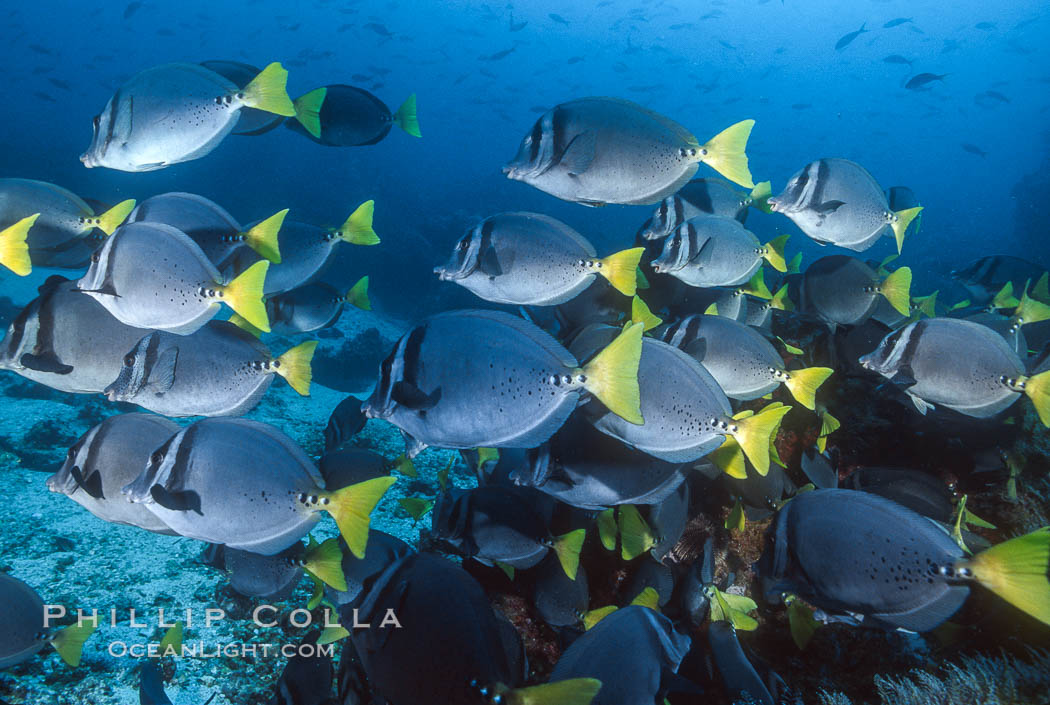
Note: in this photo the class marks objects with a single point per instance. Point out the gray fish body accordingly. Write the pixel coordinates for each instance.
(697, 198)
(21, 621)
(757, 313)
(383, 550)
(984, 277)
(744, 364)
(741, 680)
(62, 213)
(304, 309)
(605, 150)
(710, 251)
(151, 275)
(681, 402)
(306, 252)
(956, 363)
(469, 379)
(231, 481)
(525, 259)
(206, 223)
(628, 675)
(164, 115)
(219, 370)
(268, 577)
(66, 340)
(668, 519)
(586, 468)
(349, 466)
(349, 116)
(493, 525)
(856, 552)
(836, 201)
(1012, 332)
(840, 289)
(115, 450)
(559, 600)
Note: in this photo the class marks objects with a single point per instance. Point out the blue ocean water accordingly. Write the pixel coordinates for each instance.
(974, 147)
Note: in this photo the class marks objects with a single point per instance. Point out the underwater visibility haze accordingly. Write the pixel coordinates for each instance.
(620, 352)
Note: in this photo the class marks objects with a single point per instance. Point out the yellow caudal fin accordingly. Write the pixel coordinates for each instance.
(612, 376)
(69, 642)
(620, 269)
(1016, 570)
(643, 283)
(756, 286)
(294, 366)
(774, 253)
(262, 237)
(729, 459)
(927, 305)
(352, 506)
(640, 313)
(725, 153)
(268, 91)
(404, 465)
(406, 118)
(1037, 388)
(606, 522)
(575, 691)
(760, 195)
(245, 295)
(828, 425)
(800, 621)
(417, 507)
(648, 597)
(711, 310)
(308, 110)
(325, 561)
(171, 643)
(111, 219)
(238, 320)
(357, 230)
(596, 615)
(882, 271)
(332, 634)
(567, 547)
(1031, 311)
(14, 252)
(795, 265)
(358, 295)
(781, 300)
(754, 434)
(736, 520)
(1005, 298)
(635, 535)
(897, 290)
(900, 222)
(1041, 290)
(803, 384)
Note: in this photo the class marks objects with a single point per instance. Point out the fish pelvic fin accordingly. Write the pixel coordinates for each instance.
(294, 366)
(620, 269)
(1016, 570)
(640, 313)
(352, 506)
(725, 153)
(897, 290)
(612, 376)
(406, 118)
(263, 237)
(575, 691)
(567, 547)
(755, 433)
(268, 91)
(14, 252)
(245, 295)
(358, 295)
(899, 221)
(308, 110)
(1037, 388)
(325, 562)
(69, 642)
(110, 220)
(357, 230)
(635, 535)
(803, 384)
(773, 252)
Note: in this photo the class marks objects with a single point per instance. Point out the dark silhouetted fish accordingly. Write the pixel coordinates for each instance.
(845, 40)
(923, 80)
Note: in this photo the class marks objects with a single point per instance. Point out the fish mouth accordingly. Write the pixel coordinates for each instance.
(87, 161)
(866, 361)
(774, 205)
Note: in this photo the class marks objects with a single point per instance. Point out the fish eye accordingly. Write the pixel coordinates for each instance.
(72, 452)
(156, 457)
(464, 244)
(96, 256)
(129, 360)
(96, 120)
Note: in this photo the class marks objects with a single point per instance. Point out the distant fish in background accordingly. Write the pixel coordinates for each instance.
(973, 149)
(896, 22)
(558, 18)
(985, 26)
(379, 29)
(177, 112)
(990, 98)
(922, 80)
(897, 59)
(846, 39)
(131, 9)
(498, 55)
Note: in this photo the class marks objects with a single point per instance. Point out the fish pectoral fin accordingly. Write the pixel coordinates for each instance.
(828, 207)
(412, 397)
(162, 376)
(91, 485)
(184, 501)
(579, 153)
(489, 264)
(703, 256)
(920, 404)
(697, 349)
(413, 446)
(45, 362)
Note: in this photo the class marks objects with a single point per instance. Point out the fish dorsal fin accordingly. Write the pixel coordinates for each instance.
(162, 376)
(579, 153)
